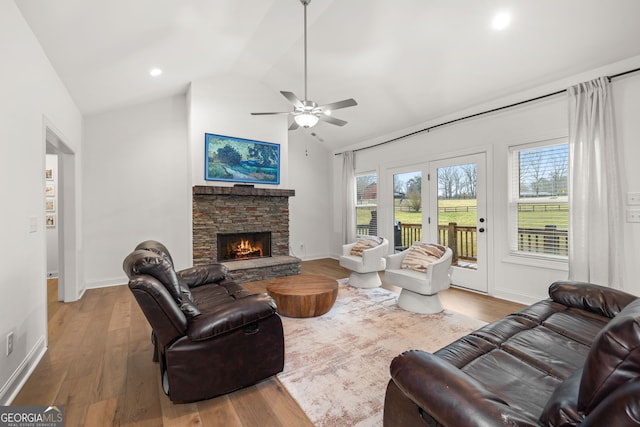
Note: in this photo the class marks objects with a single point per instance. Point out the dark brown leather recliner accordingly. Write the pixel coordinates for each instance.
(211, 335)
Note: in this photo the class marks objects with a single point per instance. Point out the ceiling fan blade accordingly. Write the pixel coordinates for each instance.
(292, 99)
(294, 125)
(340, 104)
(331, 120)
(269, 114)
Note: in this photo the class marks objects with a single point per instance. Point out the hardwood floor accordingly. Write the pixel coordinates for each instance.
(99, 366)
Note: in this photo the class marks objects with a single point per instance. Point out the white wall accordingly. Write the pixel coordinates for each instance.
(140, 164)
(494, 133)
(30, 94)
(136, 186)
(626, 97)
(310, 210)
(222, 105)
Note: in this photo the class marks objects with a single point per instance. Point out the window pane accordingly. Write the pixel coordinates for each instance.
(544, 172)
(542, 228)
(367, 204)
(540, 206)
(407, 209)
(458, 213)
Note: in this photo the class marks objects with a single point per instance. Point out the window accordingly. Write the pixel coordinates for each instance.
(539, 206)
(367, 204)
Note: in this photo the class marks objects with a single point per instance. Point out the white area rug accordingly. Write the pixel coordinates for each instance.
(337, 365)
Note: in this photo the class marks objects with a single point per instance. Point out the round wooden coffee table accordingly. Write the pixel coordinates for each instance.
(303, 295)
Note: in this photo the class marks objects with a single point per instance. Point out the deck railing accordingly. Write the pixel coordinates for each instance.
(548, 240)
(463, 239)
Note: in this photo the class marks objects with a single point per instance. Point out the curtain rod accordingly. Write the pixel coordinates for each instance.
(493, 110)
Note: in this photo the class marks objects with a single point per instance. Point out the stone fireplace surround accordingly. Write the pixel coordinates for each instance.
(242, 209)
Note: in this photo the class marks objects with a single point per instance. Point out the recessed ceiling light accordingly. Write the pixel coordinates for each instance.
(501, 21)
(155, 72)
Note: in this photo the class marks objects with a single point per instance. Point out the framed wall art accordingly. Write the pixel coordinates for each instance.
(241, 160)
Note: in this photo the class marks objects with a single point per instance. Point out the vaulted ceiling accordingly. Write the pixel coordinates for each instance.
(405, 61)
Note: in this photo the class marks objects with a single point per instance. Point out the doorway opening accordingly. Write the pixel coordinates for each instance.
(60, 215)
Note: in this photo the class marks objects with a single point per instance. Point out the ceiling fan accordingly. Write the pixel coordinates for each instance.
(307, 113)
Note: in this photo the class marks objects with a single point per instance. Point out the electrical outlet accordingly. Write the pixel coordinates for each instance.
(633, 199)
(9, 343)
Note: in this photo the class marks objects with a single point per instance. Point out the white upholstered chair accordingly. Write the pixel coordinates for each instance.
(365, 268)
(419, 289)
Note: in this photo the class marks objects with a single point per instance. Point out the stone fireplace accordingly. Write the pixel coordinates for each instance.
(249, 212)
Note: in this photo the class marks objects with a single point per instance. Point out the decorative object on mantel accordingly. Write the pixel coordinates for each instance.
(306, 113)
(241, 160)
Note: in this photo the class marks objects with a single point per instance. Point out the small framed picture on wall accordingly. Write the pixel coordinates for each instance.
(50, 190)
(50, 205)
(50, 221)
(48, 174)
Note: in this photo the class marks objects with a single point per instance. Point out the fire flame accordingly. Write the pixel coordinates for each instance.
(245, 249)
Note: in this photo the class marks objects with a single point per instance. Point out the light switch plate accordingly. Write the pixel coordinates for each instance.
(9, 343)
(633, 214)
(633, 199)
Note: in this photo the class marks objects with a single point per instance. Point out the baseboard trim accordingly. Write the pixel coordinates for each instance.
(314, 257)
(20, 376)
(106, 283)
(519, 298)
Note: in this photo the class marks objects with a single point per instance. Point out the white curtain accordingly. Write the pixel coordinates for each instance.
(596, 239)
(349, 197)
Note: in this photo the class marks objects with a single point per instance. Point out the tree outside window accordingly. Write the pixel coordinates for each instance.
(539, 199)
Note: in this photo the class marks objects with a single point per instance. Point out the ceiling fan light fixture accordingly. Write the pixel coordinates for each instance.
(307, 113)
(306, 120)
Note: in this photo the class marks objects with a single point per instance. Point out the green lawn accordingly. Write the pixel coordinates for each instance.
(526, 219)
(444, 218)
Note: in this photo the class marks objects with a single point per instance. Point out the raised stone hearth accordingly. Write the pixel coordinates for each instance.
(243, 209)
(251, 270)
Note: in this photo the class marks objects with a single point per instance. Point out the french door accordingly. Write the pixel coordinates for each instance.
(457, 216)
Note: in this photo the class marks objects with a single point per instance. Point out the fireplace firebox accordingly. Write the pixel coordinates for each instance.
(241, 246)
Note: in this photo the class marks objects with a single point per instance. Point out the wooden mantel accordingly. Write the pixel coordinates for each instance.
(241, 190)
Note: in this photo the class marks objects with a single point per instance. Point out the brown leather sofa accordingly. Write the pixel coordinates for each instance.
(211, 335)
(570, 360)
